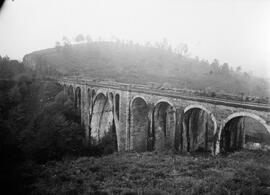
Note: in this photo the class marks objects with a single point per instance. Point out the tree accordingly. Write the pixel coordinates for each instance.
(225, 68)
(214, 66)
(88, 39)
(79, 38)
(67, 49)
(204, 61)
(57, 45)
(182, 49)
(6, 58)
(147, 44)
(246, 74)
(66, 41)
(164, 43)
(238, 69)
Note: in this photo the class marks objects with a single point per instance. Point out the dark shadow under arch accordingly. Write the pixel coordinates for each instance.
(242, 130)
(117, 105)
(70, 93)
(199, 131)
(139, 125)
(78, 98)
(163, 126)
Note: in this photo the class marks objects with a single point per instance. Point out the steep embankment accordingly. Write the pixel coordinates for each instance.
(132, 63)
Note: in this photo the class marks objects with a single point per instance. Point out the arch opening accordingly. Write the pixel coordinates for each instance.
(78, 98)
(163, 133)
(89, 111)
(89, 97)
(103, 131)
(93, 93)
(199, 131)
(244, 131)
(139, 125)
(64, 87)
(111, 96)
(70, 93)
(117, 105)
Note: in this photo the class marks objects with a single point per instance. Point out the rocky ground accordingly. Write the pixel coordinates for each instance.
(245, 172)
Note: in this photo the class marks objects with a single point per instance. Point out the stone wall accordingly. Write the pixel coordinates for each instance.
(145, 122)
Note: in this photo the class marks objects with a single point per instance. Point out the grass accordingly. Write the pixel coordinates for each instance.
(245, 172)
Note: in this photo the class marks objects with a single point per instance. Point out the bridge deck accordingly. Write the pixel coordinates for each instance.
(169, 93)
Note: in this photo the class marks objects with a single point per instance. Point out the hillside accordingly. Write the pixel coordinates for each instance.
(245, 172)
(133, 63)
(43, 152)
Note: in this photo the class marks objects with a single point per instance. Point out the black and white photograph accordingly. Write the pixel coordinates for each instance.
(135, 97)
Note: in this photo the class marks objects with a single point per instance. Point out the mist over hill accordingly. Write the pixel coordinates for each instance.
(133, 63)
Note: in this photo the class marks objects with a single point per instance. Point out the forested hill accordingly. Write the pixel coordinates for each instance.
(132, 63)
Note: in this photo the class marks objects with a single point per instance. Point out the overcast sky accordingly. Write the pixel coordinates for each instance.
(233, 31)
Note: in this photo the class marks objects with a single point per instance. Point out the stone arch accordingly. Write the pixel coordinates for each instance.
(111, 101)
(251, 115)
(213, 118)
(64, 87)
(163, 100)
(117, 105)
(89, 96)
(111, 97)
(199, 129)
(97, 94)
(138, 96)
(102, 123)
(163, 132)
(70, 93)
(89, 103)
(98, 106)
(233, 133)
(93, 93)
(78, 98)
(139, 124)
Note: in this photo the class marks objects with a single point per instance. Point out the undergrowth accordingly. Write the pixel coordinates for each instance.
(245, 172)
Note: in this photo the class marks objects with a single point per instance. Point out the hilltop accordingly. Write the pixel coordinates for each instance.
(133, 63)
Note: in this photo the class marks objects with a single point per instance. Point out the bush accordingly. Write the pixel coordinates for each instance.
(107, 145)
(52, 135)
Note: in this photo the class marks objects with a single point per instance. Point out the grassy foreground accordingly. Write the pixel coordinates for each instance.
(245, 172)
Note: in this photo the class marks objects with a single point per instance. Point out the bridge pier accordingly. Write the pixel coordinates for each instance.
(180, 135)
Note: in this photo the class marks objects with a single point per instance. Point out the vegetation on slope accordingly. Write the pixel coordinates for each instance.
(33, 122)
(38, 123)
(243, 172)
(133, 63)
(42, 152)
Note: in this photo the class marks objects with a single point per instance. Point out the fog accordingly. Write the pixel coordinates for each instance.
(233, 31)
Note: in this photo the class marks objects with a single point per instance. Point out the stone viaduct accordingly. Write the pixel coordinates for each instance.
(147, 119)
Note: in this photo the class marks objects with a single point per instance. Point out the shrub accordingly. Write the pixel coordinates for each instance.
(55, 131)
